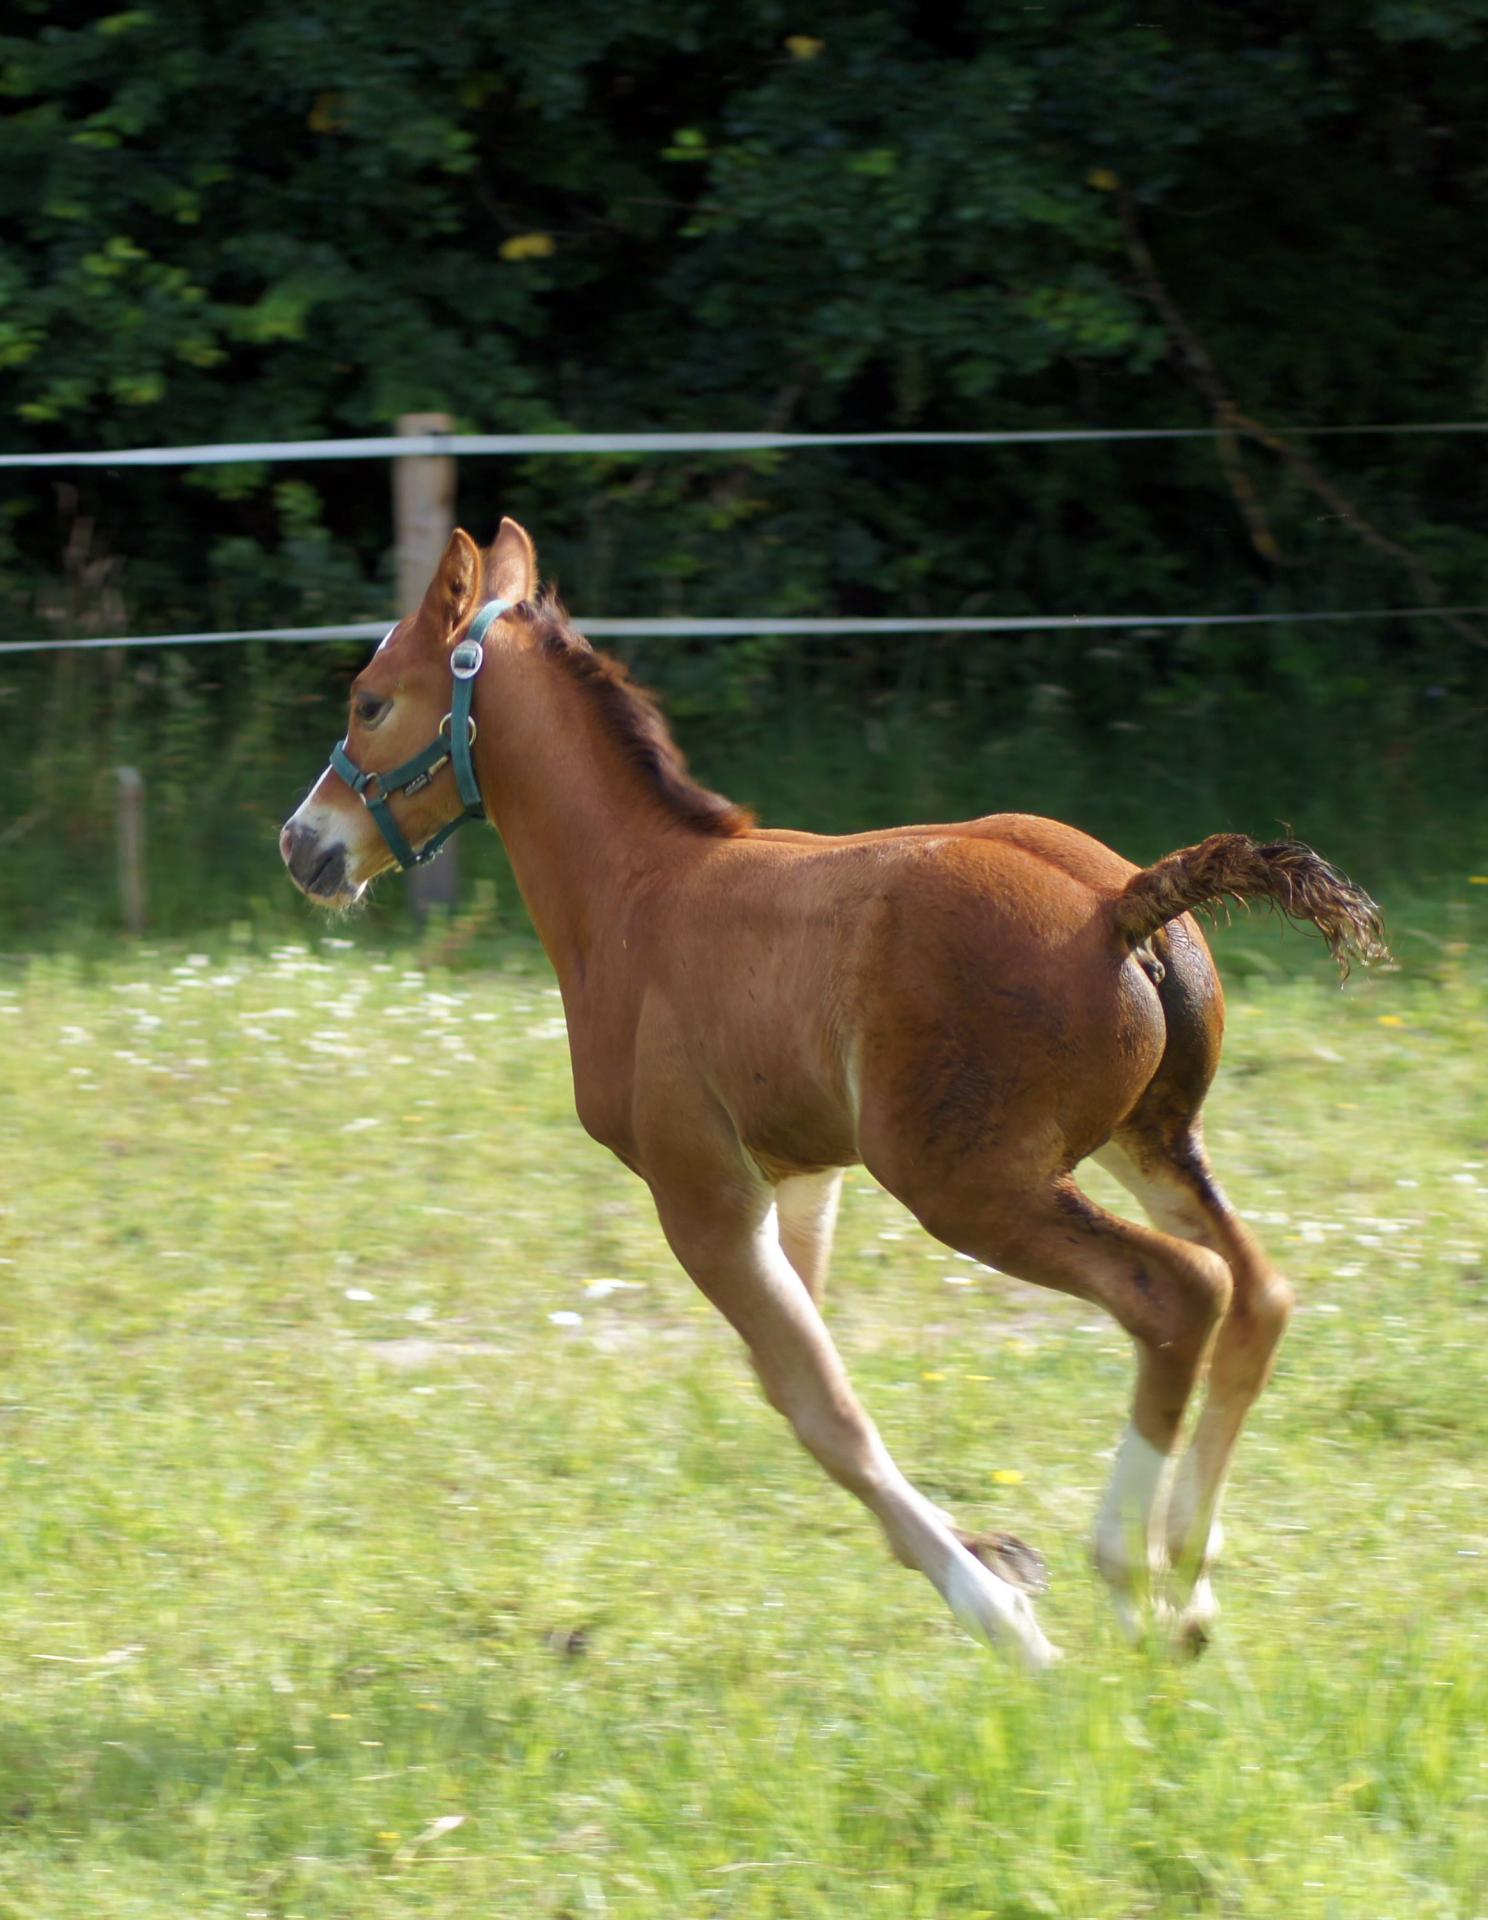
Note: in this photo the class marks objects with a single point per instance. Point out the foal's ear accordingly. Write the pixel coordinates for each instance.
(511, 565)
(450, 600)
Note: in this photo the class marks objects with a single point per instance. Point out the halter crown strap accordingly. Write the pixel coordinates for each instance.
(466, 660)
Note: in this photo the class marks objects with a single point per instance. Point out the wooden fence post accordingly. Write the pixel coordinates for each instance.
(131, 843)
(423, 519)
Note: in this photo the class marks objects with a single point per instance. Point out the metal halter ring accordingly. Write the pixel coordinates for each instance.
(470, 723)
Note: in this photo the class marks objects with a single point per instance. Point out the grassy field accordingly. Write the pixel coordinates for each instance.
(388, 1529)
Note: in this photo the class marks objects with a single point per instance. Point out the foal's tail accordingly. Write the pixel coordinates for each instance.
(1232, 866)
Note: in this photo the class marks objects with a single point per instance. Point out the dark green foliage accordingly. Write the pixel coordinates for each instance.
(294, 220)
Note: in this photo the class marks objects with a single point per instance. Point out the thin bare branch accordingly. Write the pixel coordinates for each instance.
(1232, 425)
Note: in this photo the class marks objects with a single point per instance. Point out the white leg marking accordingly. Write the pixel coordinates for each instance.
(1127, 1549)
(991, 1609)
(1195, 1539)
(1194, 1533)
(994, 1612)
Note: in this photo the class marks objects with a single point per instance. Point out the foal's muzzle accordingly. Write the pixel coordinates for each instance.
(318, 869)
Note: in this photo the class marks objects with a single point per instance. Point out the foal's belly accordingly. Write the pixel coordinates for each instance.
(790, 1122)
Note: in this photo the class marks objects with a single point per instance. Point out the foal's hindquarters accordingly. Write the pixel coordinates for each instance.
(1075, 1047)
(991, 1051)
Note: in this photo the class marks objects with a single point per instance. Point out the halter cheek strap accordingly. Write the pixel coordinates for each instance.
(452, 743)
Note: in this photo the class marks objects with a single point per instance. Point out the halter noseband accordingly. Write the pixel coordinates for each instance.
(453, 742)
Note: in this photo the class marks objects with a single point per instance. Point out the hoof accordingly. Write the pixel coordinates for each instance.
(1010, 1558)
(1191, 1639)
(1145, 1620)
(994, 1610)
(1039, 1653)
(1046, 1656)
(1194, 1627)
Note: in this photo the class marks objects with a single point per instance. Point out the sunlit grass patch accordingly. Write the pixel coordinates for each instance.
(391, 1529)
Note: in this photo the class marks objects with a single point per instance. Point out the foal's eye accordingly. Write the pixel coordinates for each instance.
(370, 709)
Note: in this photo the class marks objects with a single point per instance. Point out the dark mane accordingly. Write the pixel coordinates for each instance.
(634, 722)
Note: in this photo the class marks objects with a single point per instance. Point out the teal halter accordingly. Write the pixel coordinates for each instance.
(452, 743)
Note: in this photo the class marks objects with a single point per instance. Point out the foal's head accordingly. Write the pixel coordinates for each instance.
(339, 838)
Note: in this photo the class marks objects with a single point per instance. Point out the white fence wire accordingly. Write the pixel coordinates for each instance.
(529, 445)
(681, 627)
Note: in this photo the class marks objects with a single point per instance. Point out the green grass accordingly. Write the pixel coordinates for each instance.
(341, 1580)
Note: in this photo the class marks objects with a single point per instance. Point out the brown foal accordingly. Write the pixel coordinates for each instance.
(969, 1011)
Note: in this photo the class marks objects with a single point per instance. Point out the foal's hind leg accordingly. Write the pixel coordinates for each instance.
(1171, 1178)
(726, 1240)
(1167, 1294)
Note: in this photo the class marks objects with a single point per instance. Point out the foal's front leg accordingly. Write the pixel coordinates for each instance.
(728, 1241)
(806, 1213)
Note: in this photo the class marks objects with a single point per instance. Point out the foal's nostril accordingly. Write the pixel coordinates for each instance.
(286, 842)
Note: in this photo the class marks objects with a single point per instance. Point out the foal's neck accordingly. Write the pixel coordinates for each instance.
(577, 821)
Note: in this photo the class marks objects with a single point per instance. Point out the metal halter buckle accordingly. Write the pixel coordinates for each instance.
(465, 661)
